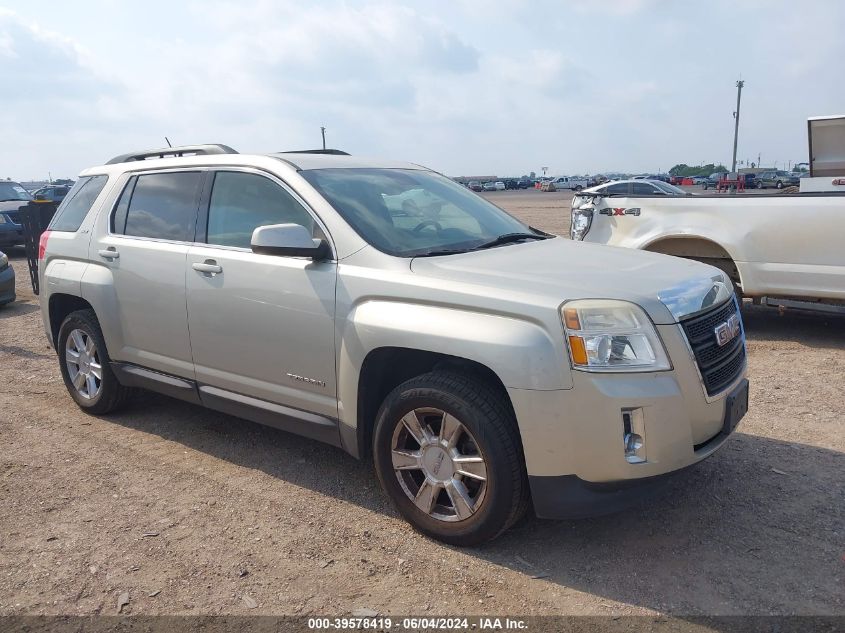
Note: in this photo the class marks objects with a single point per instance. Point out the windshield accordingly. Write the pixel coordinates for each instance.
(13, 191)
(412, 212)
(665, 186)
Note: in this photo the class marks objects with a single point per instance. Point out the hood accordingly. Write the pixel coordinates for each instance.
(12, 205)
(558, 270)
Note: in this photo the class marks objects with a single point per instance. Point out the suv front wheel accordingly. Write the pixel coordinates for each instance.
(84, 362)
(448, 453)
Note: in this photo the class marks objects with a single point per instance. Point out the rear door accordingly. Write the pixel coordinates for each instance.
(262, 326)
(145, 249)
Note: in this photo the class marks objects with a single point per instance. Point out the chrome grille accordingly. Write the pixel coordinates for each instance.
(719, 365)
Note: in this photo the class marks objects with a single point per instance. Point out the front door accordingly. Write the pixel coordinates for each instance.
(261, 326)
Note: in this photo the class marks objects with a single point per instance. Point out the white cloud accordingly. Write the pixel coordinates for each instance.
(467, 87)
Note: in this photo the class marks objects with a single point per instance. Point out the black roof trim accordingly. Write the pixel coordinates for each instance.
(164, 152)
(333, 152)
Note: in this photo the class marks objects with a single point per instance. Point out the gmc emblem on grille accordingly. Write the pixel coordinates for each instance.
(727, 331)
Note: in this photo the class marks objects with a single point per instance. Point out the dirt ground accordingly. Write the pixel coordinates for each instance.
(189, 511)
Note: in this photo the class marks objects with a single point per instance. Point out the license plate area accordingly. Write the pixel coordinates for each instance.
(736, 406)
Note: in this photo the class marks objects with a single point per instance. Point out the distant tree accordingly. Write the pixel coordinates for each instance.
(684, 170)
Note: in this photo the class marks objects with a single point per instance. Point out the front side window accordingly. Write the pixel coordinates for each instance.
(241, 202)
(164, 206)
(670, 189)
(411, 212)
(77, 203)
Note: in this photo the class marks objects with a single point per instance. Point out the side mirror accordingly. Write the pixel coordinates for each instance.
(288, 240)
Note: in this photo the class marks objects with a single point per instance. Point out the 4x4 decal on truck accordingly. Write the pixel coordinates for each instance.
(620, 211)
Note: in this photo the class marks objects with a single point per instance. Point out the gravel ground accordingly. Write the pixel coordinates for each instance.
(188, 511)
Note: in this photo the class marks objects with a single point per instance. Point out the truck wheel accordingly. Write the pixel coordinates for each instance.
(759, 184)
(84, 362)
(779, 185)
(448, 454)
(578, 187)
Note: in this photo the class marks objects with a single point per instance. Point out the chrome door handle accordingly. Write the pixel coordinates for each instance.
(208, 266)
(108, 253)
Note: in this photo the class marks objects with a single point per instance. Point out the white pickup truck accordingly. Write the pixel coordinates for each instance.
(575, 183)
(779, 249)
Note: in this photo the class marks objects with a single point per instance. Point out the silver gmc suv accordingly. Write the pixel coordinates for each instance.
(378, 306)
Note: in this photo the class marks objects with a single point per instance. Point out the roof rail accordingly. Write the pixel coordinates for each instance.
(195, 150)
(333, 152)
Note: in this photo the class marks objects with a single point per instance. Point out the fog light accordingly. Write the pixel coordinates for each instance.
(633, 435)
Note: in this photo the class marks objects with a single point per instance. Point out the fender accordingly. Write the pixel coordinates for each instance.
(98, 289)
(521, 353)
(676, 235)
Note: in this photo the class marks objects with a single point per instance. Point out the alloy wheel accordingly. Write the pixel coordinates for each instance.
(83, 364)
(438, 464)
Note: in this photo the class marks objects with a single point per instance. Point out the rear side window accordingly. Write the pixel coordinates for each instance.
(240, 202)
(78, 203)
(620, 187)
(164, 206)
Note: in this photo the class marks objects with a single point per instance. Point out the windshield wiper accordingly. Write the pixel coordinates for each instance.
(509, 238)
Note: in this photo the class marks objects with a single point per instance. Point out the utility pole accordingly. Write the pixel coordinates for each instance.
(739, 85)
(323, 132)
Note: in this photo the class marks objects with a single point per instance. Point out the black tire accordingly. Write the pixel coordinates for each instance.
(759, 184)
(486, 414)
(578, 187)
(779, 185)
(112, 395)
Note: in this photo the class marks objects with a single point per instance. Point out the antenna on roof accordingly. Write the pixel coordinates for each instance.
(168, 141)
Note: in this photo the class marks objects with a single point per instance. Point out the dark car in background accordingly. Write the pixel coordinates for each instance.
(51, 193)
(7, 280)
(751, 181)
(776, 179)
(12, 197)
(713, 179)
(474, 185)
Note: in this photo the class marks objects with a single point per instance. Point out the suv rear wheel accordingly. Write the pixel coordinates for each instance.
(84, 362)
(447, 452)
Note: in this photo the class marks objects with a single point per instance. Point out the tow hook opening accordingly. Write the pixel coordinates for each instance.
(633, 435)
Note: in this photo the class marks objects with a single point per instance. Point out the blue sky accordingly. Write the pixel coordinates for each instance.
(466, 87)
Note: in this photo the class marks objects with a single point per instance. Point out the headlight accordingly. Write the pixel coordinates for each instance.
(609, 335)
(581, 221)
(3, 219)
(4, 261)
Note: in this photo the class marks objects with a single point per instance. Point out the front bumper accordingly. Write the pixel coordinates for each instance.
(11, 234)
(573, 439)
(7, 285)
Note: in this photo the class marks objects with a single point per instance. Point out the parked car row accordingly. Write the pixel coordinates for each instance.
(500, 185)
(12, 197)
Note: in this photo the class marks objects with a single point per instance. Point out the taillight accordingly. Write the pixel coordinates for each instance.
(42, 244)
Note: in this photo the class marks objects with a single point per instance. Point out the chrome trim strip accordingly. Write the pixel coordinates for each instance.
(695, 296)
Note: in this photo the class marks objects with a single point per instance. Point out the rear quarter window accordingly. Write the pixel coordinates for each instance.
(77, 203)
